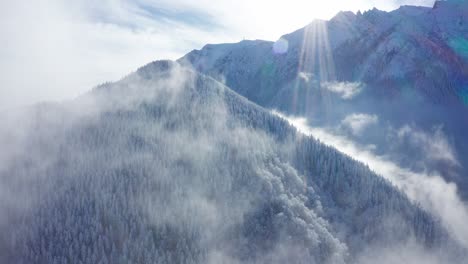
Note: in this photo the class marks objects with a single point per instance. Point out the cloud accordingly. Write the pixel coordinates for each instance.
(347, 90)
(357, 123)
(56, 50)
(305, 76)
(428, 189)
(435, 146)
(160, 160)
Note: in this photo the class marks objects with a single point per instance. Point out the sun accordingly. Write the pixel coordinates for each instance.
(270, 18)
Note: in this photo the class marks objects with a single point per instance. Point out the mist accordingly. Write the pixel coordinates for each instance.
(152, 168)
(428, 189)
(170, 166)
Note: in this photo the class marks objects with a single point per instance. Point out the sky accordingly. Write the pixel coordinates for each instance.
(54, 50)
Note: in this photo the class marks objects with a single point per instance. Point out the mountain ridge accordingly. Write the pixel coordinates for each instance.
(407, 67)
(167, 155)
(184, 162)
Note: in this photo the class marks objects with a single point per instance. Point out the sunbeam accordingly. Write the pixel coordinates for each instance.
(316, 63)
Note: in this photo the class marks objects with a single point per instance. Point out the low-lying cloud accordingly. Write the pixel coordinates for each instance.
(154, 168)
(305, 76)
(346, 90)
(435, 146)
(428, 189)
(357, 123)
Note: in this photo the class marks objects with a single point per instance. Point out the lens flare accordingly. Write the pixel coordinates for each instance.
(316, 62)
(280, 46)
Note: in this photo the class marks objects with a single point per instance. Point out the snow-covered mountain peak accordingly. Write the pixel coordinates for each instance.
(412, 57)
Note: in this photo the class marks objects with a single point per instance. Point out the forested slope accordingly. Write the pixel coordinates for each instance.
(170, 166)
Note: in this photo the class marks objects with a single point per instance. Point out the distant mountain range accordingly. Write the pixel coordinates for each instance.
(408, 68)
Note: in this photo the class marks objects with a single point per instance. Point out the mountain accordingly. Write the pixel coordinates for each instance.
(171, 166)
(406, 69)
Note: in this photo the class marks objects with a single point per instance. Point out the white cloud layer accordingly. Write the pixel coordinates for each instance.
(346, 90)
(428, 189)
(358, 122)
(435, 146)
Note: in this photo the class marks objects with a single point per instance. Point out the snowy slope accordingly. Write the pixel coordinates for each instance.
(408, 67)
(376, 47)
(170, 166)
